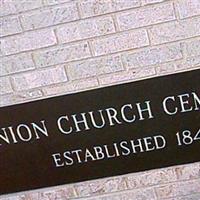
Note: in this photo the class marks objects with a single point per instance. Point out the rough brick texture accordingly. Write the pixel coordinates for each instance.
(94, 67)
(95, 7)
(120, 42)
(174, 31)
(9, 26)
(16, 6)
(146, 16)
(39, 78)
(54, 47)
(152, 56)
(49, 17)
(188, 8)
(62, 54)
(85, 29)
(16, 63)
(5, 85)
(27, 41)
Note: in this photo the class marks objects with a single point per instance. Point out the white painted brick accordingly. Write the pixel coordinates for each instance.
(146, 2)
(188, 172)
(39, 78)
(114, 78)
(62, 193)
(191, 62)
(143, 194)
(143, 73)
(146, 16)
(85, 29)
(174, 31)
(104, 197)
(153, 177)
(178, 189)
(188, 8)
(127, 76)
(100, 187)
(5, 86)
(9, 26)
(190, 197)
(62, 54)
(16, 63)
(23, 5)
(140, 194)
(193, 48)
(1, 49)
(120, 42)
(66, 192)
(166, 68)
(27, 41)
(69, 87)
(94, 67)
(20, 97)
(49, 17)
(10, 198)
(6, 7)
(91, 8)
(15, 6)
(152, 56)
(54, 2)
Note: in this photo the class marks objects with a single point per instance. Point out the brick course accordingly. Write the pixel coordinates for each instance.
(49, 17)
(145, 16)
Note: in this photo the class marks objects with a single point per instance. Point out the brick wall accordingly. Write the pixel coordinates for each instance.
(54, 47)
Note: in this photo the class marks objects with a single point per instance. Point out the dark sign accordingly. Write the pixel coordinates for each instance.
(105, 132)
